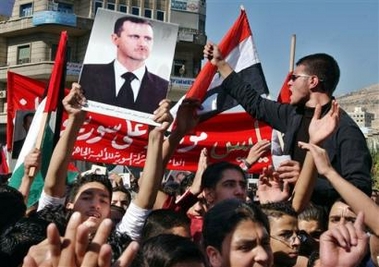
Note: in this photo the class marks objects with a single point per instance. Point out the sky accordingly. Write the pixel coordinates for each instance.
(346, 29)
(6, 7)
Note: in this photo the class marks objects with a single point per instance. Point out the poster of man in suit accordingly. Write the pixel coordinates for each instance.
(128, 61)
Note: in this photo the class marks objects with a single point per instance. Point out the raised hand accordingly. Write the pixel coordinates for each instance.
(257, 150)
(32, 159)
(201, 166)
(187, 117)
(212, 53)
(271, 188)
(345, 245)
(74, 101)
(320, 157)
(321, 128)
(75, 249)
(162, 113)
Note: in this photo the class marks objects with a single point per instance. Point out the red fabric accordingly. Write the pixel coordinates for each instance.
(196, 228)
(120, 142)
(4, 168)
(239, 31)
(285, 93)
(23, 93)
(104, 139)
(57, 75)
(186, 201)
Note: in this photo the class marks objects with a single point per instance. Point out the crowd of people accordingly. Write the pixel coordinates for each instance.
(312, 210)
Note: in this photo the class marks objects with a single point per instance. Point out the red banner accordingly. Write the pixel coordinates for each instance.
(227, 136)
(116, 141)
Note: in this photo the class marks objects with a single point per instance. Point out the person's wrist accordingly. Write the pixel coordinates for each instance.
(220, 63)
(195, 190)
(245, 165)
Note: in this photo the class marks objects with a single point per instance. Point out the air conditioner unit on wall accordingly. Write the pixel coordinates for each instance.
(3, 94)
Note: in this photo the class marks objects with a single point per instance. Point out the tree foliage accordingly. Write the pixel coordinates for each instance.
(375, 169)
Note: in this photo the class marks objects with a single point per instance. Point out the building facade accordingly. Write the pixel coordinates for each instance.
(29, 38)
(362, 117)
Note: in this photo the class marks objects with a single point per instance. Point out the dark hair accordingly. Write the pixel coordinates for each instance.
(223, 218)
(122, 189)
(165, 250)
(213, 173)
(118, 242)
(88, 178)
(278, 209)
(316, 213)
(16, 240)
(171, 188)
(162, 221)
(325, 67)
(120, 22)
(12, 206)
(25, 117)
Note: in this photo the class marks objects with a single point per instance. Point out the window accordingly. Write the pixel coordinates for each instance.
(23, 54)
(160, 15)
(51, 5)
(111, 5)
(135, 10)
(123, 8)
(179, 67)
(148, 13)
(65, 8)
(98, 4)
(26, 10)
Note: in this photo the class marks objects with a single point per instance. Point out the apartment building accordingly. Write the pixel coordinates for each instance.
(362, 117)
(29, 38)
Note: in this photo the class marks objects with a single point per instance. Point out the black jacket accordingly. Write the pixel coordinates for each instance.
(97, 81)
(346, 147)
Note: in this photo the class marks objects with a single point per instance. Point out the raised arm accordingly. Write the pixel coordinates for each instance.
(55, 181)
(344, 245)
(355, 198)
(186, 120)
(319, 130)
(153, 169)
(135, 216)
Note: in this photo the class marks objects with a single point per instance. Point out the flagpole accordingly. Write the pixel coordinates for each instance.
(292, 53)
(291, 68)
(55, 87)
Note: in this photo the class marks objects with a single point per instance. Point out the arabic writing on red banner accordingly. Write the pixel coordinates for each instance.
(121, 142)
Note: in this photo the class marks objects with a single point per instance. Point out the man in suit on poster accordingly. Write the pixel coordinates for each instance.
(126, 82)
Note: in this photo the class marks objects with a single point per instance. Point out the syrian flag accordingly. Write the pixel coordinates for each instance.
(41, 132)
(241, 54)
(236, 131)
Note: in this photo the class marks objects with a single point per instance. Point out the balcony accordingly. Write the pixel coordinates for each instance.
(40, 70)
(54, 17)
(25, 26)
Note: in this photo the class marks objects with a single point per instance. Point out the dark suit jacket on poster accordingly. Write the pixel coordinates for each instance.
(97, 81)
